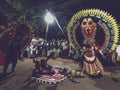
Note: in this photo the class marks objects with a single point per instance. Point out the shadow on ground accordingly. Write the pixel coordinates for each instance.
(5, 78)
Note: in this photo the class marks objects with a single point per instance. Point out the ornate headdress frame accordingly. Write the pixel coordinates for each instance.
(105, 20)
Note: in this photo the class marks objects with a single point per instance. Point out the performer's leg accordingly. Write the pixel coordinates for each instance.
(5, 67)
(14, 62)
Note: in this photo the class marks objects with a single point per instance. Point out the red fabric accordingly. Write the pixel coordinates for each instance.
(2, 58)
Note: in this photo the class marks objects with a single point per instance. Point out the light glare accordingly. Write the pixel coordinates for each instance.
(49, 18)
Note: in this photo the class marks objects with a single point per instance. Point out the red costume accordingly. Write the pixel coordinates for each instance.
(91, 64)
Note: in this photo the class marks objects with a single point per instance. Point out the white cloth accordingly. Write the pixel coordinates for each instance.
(118, 50)
(90, 59)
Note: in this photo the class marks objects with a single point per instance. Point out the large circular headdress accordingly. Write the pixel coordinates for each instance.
(107, 32)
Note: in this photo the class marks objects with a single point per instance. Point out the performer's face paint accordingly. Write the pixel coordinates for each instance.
(88, 26)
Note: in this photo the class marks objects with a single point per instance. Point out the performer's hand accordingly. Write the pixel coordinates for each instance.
(104, 57)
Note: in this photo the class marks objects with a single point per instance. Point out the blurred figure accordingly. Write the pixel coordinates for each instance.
(118, 52)
(11, 57)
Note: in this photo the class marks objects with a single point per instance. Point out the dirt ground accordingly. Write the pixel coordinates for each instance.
(15, 81)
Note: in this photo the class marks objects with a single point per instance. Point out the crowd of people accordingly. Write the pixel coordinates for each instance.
(56, 48)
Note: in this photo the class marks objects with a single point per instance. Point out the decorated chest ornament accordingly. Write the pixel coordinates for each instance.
(93, 25)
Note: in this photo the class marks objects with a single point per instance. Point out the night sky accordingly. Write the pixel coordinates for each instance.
(111, 6)
(69, 7)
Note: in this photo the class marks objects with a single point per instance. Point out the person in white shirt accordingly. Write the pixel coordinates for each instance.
(118, 52)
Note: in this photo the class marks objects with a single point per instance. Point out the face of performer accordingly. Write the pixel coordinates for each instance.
(88, 26)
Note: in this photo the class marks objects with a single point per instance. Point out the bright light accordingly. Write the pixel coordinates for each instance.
(49, 18)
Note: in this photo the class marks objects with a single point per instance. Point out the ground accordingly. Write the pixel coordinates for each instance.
(15, 81)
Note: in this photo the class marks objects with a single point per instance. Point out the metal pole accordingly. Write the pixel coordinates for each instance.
(60, 27)
(46, 33)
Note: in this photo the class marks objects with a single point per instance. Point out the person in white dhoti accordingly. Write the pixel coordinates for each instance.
(118, 52)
